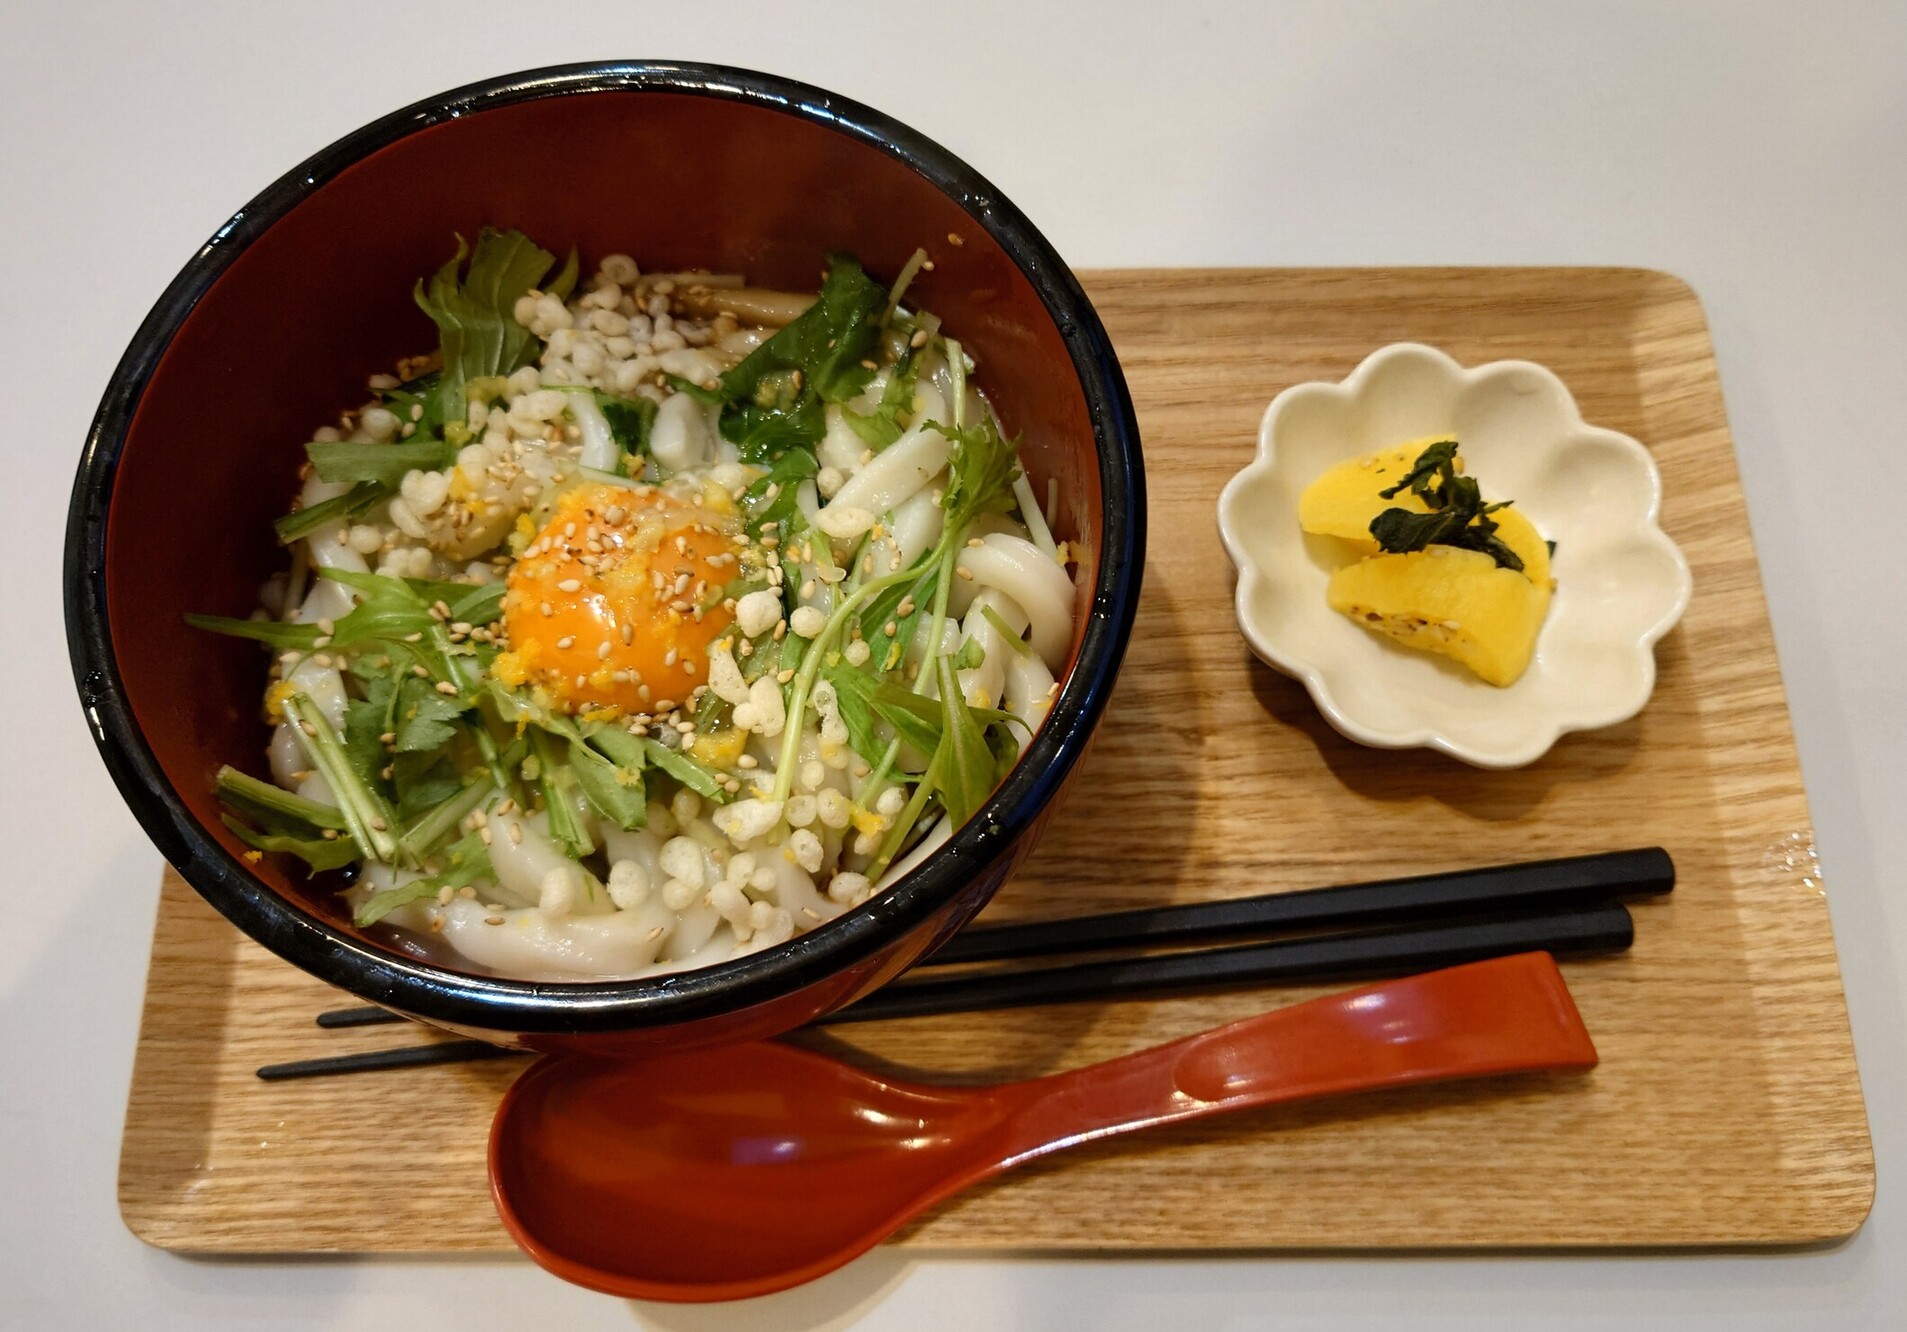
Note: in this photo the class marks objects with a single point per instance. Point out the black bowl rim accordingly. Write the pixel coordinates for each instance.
(500, 1004)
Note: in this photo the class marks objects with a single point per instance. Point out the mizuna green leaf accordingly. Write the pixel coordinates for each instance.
(278, 634)
(615, 792)
(827, 343)
(962, 771)
(773, 498)
(475, 312)
(385, 464)
(697, 776)
(320, 853)
(354, 503)
(467, 861)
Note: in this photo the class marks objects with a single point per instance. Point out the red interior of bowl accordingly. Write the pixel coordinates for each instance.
(286, 337)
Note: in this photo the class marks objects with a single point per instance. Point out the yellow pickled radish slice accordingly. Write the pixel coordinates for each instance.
(1521, 536)
(1342, 502)
(1443, 599)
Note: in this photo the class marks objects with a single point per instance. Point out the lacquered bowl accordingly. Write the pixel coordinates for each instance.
(275, 324)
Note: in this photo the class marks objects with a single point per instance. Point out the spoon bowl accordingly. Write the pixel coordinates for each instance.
(725, 1173)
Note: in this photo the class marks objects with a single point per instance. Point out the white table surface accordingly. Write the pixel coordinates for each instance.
(1759, 151)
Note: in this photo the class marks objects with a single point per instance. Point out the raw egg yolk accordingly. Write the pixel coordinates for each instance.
(615, 602)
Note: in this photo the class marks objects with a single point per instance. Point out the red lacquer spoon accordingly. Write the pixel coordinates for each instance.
(729, 1172)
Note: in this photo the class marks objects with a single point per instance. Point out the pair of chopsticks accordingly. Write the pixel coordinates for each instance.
(1391, 927)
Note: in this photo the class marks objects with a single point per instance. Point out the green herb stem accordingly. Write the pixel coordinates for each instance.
(246, 792)
(903, 825)
(424, 834)
(363, 809)
(557, 782)
(1035, 520)
(899, 289)
(877, 779)
(1018, 645)
(957, 376)
(273, 633)
(803, 683)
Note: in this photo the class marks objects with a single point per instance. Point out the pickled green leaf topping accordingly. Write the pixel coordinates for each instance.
(1457, 517)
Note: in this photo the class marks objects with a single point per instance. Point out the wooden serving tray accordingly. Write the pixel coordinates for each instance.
(1726, 1110)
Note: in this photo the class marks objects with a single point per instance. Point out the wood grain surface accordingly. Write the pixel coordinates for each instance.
(1726, 1109)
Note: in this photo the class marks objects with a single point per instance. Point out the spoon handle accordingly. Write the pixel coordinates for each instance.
(1506, 1015)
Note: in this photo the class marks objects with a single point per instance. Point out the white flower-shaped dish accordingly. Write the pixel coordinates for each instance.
(1620, 582)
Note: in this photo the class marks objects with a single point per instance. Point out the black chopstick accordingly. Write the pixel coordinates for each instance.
(1393, 951)
(1534, 885)
(359, 1017)
(1530, 886)
(1400, 951)
(408, 1056)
